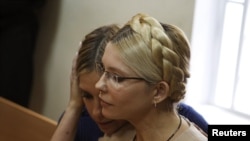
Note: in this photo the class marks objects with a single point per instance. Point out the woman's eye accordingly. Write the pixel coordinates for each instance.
(119, 79)
(87, 95)
(110, 75)
(114, 77)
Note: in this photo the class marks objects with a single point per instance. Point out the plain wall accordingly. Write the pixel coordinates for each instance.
(205, 51)
(64, 24)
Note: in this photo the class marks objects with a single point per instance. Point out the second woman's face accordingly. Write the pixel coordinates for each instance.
(92, 103)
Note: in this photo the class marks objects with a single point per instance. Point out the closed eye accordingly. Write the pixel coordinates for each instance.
(120, 79)
(86, 95)
(114, 76)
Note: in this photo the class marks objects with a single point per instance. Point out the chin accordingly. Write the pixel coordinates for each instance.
(108, 132)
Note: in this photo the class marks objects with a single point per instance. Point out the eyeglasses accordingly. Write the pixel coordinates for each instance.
(113, 78)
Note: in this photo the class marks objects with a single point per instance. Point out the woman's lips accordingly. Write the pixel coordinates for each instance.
(104, 104)
(105, 125)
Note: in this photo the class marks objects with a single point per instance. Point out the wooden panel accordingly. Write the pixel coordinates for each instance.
(18, 123)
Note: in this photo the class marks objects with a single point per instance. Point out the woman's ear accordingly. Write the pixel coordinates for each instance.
(162, 91)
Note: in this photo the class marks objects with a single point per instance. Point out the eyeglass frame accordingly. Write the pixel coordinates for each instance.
(109, 75)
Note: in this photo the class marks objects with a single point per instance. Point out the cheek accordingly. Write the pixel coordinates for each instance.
(121, 96)
(94, 108)
(139, 105)
(132, 99)
(89, 105)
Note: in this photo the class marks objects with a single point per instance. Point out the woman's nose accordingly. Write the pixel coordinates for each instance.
(100, 84)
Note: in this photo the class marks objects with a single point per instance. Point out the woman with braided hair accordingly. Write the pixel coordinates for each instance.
(144, 72)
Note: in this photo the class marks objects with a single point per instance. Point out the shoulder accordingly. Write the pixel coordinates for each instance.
(192, 115)
(127, 132)
(192, 134)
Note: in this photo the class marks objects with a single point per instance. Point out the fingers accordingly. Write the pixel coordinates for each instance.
(73, 70)
(75, 94)
(74, 77)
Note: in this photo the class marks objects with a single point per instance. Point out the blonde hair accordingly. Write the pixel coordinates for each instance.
(156, 52)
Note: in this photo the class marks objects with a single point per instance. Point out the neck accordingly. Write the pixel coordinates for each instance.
(160, 126)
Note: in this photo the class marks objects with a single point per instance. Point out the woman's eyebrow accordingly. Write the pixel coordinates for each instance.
(84, 92)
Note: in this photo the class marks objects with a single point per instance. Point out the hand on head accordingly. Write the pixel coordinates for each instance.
(75, 95)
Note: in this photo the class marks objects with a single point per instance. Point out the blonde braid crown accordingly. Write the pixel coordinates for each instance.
(165, 52)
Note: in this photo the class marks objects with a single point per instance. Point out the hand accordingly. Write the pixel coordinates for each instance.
(75, 96)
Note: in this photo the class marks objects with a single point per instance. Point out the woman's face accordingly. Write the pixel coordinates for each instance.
(92, 103)
(127, 99)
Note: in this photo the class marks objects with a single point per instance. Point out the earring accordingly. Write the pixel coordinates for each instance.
(155, 103)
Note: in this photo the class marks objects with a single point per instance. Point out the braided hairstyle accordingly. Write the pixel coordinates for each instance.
(157, 52)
